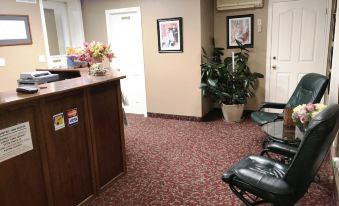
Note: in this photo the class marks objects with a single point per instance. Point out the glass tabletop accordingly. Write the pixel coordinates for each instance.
(277, 130)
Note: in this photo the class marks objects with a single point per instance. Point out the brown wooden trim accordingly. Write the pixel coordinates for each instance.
(44, 154)
(172, 116)
(122, 132)
(91, 146)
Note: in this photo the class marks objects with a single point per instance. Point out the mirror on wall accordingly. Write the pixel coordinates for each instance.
(63, 29)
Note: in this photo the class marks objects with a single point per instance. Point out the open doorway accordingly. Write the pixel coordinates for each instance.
(124, 33)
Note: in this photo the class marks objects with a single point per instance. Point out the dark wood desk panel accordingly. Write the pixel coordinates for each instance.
(22, 181)
(67, 150)
(69, 165)
(107, 133)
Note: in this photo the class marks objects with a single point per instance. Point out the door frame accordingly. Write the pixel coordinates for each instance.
(269, 42)
(108, 26)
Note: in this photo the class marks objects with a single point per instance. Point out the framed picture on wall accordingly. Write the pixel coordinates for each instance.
(14, 30)
(170, 35)
(239, 28)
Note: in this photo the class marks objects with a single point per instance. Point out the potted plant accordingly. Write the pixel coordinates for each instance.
(229, 85)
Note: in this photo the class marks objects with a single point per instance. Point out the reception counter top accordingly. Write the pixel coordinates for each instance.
(62, 145)
(47, 89)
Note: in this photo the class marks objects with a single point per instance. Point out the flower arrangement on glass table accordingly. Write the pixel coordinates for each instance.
(304, 113)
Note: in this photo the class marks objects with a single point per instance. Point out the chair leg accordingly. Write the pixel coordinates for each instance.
(241, 195)
(265, 142)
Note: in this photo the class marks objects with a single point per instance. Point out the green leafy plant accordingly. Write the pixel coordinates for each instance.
(221, 83)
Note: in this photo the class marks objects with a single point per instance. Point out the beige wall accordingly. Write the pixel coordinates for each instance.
(173, 79)
(257, 60)
(21, 58)
(207, 34)
(94, 16)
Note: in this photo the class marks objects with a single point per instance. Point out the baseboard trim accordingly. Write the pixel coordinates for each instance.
(176, 117)
(206, 117)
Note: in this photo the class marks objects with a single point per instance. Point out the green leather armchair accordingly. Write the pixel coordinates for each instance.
(310, 89)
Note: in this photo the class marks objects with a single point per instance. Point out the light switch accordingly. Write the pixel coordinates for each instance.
(42, 58)
(2, 62)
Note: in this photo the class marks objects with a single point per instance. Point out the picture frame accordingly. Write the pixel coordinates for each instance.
(170, 39)
(240, 28)
(15, 30)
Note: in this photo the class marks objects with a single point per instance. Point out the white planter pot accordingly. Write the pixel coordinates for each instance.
(232, 113)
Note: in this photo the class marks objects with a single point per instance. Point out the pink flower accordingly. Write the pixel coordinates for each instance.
(95, 50)
(310, 107)
(302, 112)
(303, 119)
(110, 55)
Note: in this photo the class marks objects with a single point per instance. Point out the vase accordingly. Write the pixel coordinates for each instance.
(232, 113)
(288, 121)
(97, 69)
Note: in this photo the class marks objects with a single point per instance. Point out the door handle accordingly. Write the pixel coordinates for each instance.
(274, 67)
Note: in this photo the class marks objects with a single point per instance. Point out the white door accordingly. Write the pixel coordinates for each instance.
(298, 45)
(125, 36)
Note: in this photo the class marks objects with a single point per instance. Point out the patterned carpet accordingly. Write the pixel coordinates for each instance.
(173, 162)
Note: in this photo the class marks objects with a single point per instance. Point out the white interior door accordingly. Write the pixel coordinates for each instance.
(125, 37)
(299, 45)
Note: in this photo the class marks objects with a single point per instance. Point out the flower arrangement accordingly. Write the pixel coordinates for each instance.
(71, 51)
(72, 58)
(95, 52)
(304, 113)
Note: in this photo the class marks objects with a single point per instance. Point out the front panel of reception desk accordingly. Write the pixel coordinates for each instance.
(62, 145)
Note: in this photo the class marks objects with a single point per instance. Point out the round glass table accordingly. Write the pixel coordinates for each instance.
(277, 131)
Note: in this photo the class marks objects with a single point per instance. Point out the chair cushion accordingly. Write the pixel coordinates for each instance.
(259, 173)
(262, 118)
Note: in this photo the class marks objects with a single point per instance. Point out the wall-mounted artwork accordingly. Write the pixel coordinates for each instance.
(170, 35)
(14, 30)
(239, 28)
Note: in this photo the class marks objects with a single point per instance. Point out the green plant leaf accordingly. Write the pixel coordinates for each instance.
(212, 82)
(221, 84)
(258, 75)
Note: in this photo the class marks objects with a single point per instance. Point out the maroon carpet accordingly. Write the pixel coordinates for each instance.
(173, 162)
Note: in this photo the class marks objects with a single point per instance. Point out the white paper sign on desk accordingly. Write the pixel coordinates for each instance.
(15, 141)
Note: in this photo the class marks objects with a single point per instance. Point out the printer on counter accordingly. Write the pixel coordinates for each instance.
(37, 77)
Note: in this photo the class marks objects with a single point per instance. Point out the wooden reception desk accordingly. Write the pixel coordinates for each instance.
(61, 163)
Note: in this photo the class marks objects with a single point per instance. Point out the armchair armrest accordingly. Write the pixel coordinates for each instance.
(264, 182)
(273, 105)
(281, 149)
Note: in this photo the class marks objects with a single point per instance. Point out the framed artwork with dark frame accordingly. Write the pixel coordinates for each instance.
(170, 38)
(15, 30)
(240, 28)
